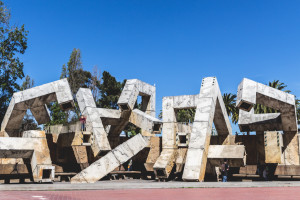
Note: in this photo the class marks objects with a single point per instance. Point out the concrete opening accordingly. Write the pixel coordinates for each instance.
(67, 106)
(46, 173)
(86, 138)
(185, 115)
(160, 172)
(182, 139)
(156, 127)
(245, 106)
(124, 107)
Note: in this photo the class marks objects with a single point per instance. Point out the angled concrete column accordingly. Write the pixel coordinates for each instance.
(94, 124)
(111, 160)
(145, 121)
(153, 153)
(210, 108)
(165, 162)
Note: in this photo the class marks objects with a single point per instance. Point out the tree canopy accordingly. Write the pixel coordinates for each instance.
(13, 42)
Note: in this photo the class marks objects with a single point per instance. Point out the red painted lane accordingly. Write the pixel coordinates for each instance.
(275, 193)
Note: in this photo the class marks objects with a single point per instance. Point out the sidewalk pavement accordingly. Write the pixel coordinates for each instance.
(141, 184)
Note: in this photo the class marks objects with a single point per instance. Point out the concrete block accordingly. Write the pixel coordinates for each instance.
(235, 154)
(111, 160)
(164, 164)
(145, 122)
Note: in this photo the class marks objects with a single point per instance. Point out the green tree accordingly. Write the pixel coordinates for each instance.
(77, 78)
(110, 91)
(229, 101)
(57, 115)
(185, 115)
(27, 83)
(13, 42)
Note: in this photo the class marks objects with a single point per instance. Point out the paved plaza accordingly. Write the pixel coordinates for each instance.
(141, 189)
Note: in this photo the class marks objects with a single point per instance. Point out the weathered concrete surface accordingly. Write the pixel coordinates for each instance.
(287, 170)
(32, 146)
(165, 162)
(182, 139)
(131, 90)
(94, 124)
(273, 145)
(180, 159)
(251, 93)
(235, 154)
(36, 99)
(210, 109)
(153, 153)
(111, 160)
(145, 121)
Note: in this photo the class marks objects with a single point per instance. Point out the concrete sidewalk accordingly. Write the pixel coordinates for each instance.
(141, 184)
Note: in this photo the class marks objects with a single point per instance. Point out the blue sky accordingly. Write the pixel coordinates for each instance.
(172, 44)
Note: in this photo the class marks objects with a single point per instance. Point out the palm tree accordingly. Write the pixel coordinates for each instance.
(229, 101)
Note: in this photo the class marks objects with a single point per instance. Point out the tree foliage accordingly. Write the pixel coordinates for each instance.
(13, 42)
(185, 115)
(77, 78)
(110, 91)
(229, 101)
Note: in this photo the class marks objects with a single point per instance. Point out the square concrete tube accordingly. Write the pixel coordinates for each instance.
(248, 121)
(209, 97)
(210, 109)
(35, 99)
(153, 153)
(94, 123)
(180, 159)
(131, 90)
(32, 146)
(251, 93)
(164, 164)
(112, 160)
(145, 122)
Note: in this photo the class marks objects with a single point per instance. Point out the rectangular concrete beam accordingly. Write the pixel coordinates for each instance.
(145, 122)
(210, 109)
(111, 160)
(164, 164)
(235, 154)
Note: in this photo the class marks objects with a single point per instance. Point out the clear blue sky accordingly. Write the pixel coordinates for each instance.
(172, 44)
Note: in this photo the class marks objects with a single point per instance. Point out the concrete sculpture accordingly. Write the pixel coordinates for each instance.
(279, 130)
(32, 145)
(188, 151)
(143, 118)
(210, 108)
